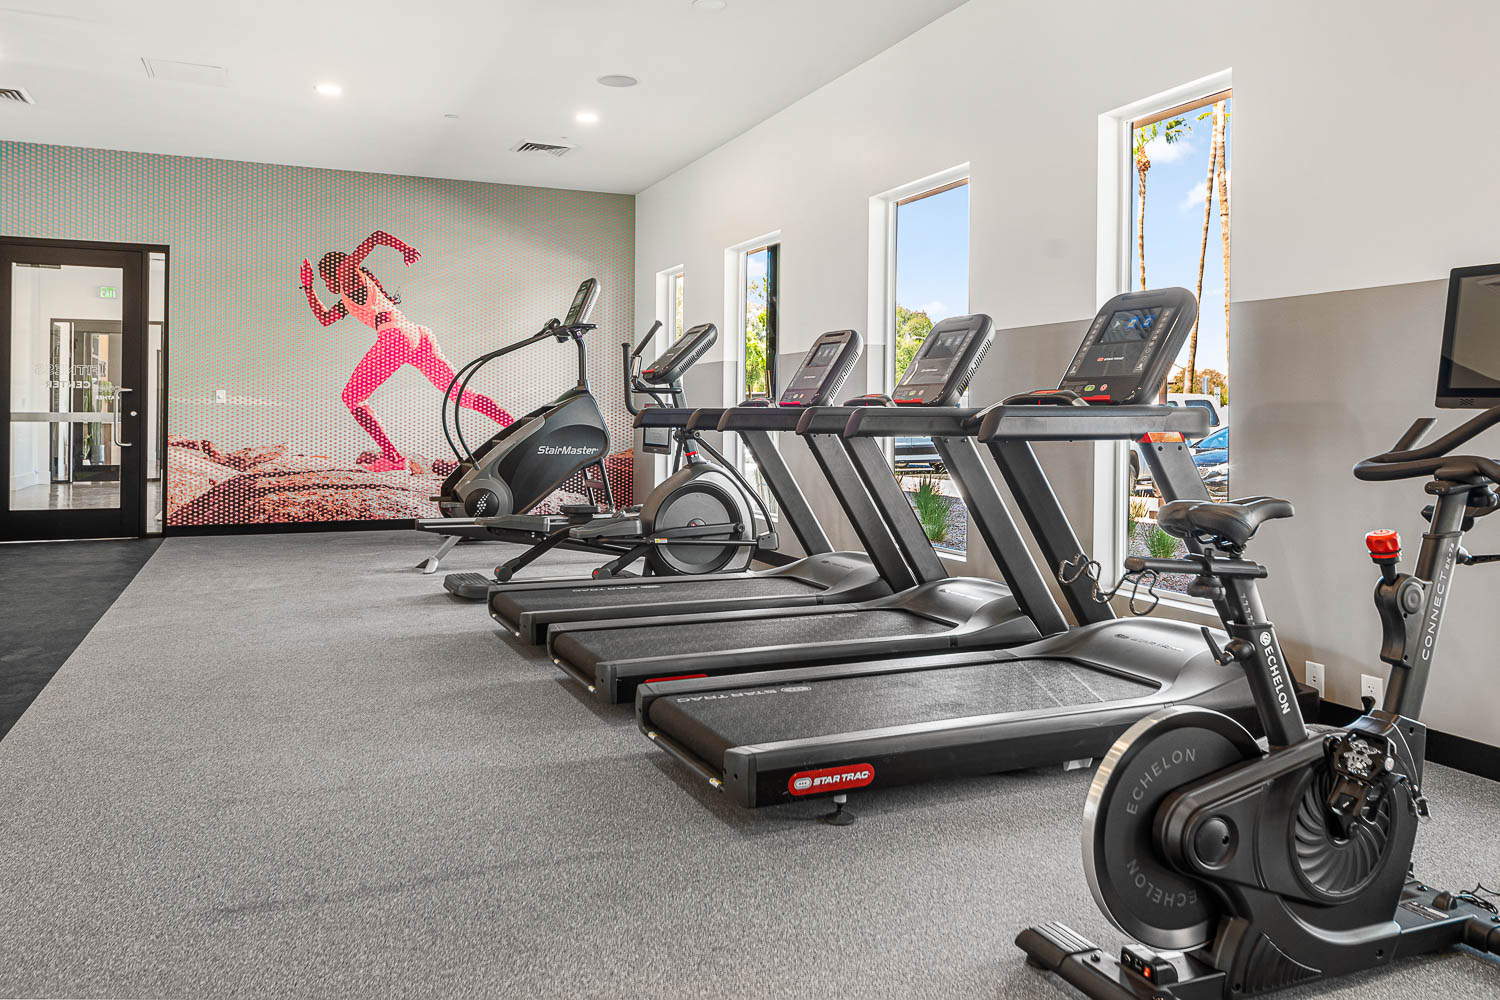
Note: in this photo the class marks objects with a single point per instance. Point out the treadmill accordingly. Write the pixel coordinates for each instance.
(777, 736)
(823, 576)
(929, 611)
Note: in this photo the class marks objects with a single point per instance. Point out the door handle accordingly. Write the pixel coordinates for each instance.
(114, 431)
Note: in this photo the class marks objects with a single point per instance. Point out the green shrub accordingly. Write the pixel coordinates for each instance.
(1160, 544)
(932, 509)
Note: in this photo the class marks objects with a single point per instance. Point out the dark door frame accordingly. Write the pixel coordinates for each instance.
(134, 260)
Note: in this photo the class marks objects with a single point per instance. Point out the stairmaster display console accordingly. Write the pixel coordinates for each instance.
(825, 366)
(947, 359)
(677, 359)
(583, 302)
(1131, 345)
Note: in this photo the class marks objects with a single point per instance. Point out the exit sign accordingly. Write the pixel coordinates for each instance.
(108, 292)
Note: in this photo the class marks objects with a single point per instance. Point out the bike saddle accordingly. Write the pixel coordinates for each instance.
(1232, 523)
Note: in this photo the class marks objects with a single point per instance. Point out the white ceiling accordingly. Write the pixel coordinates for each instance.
(512, 70)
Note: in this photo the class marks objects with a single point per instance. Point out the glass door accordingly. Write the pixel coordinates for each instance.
(72, 380)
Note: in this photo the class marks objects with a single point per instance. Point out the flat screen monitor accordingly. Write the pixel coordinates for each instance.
(1469, 371)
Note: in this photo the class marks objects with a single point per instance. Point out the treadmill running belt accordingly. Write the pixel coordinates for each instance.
(646, 592)
(587, 647)
(710, 725)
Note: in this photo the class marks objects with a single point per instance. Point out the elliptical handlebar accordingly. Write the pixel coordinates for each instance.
(1408, 461)
(644, 340)
(632, 360)
(554, 329)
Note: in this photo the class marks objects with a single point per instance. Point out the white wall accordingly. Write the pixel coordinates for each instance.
(1363, 157)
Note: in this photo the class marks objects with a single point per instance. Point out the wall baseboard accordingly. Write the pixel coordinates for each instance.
(286, 527)
(1457, 752)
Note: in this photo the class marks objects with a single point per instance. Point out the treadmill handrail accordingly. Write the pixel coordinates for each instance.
(706, 418)
(663, 416)
(915, 421)
(761, 418)
(1011, 422)
(828, 419)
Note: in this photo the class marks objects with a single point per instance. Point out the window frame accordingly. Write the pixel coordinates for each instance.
(668, 280)
(1115, 247)
(881, 323)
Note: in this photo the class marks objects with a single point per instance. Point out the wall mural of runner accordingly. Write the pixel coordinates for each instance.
(398, 341)
(278, 413)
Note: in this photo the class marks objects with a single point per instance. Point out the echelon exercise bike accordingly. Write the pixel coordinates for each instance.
(523, 464)
(700, 519)
(1242, 870)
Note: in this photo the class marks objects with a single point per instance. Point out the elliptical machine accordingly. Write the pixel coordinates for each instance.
(700, 519)
(697, 520)
(1242, 870)
(523, 464)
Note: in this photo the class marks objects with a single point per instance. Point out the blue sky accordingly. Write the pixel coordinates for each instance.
(1174, 227)
(932, 248)
(932, 254)
(755, 270)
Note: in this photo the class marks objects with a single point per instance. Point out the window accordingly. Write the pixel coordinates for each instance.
(673, 317)
(670, 286)
(1178, 164)
(930, 278)
(758, 333)
(753, 280)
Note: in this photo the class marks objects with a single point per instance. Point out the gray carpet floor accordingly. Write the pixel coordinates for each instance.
(292, 766)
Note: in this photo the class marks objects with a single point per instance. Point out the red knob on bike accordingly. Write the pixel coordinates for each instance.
(1383, 544)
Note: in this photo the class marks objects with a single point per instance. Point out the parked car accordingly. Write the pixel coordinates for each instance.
(1207, 452)
(1218, 414)
(1216, 479)
(1212, 450)
(915, 456)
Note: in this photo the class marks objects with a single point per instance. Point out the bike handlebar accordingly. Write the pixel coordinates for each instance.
(1408, 461)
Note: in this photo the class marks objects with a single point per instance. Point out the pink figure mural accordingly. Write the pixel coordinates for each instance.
(398, 341)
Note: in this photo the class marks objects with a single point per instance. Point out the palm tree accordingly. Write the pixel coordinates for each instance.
(1189, 377)
(1170, 130)
(1221, 126)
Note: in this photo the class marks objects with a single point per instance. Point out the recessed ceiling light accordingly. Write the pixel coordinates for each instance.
(587, 118)
(709, 4)
(328, 89)
(617, 80)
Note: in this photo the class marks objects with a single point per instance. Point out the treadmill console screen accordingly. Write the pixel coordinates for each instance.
(947, 359)
(677, 359)
(1469, 371)
(1131, 345)
(583, 302)
(827, 363)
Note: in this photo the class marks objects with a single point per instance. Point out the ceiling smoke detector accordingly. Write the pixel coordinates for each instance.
(550, 148)
(617, 80)
(16, 95)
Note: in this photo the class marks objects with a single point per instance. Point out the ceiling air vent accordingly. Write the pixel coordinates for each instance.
(550, 148)
(15, 95)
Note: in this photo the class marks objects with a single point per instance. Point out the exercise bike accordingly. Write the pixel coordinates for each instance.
(523, 464)
(700, 519)
(1242, 870)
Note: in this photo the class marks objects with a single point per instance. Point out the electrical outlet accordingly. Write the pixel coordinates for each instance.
(1371, 686)
(1315, 676)
(221, 395)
